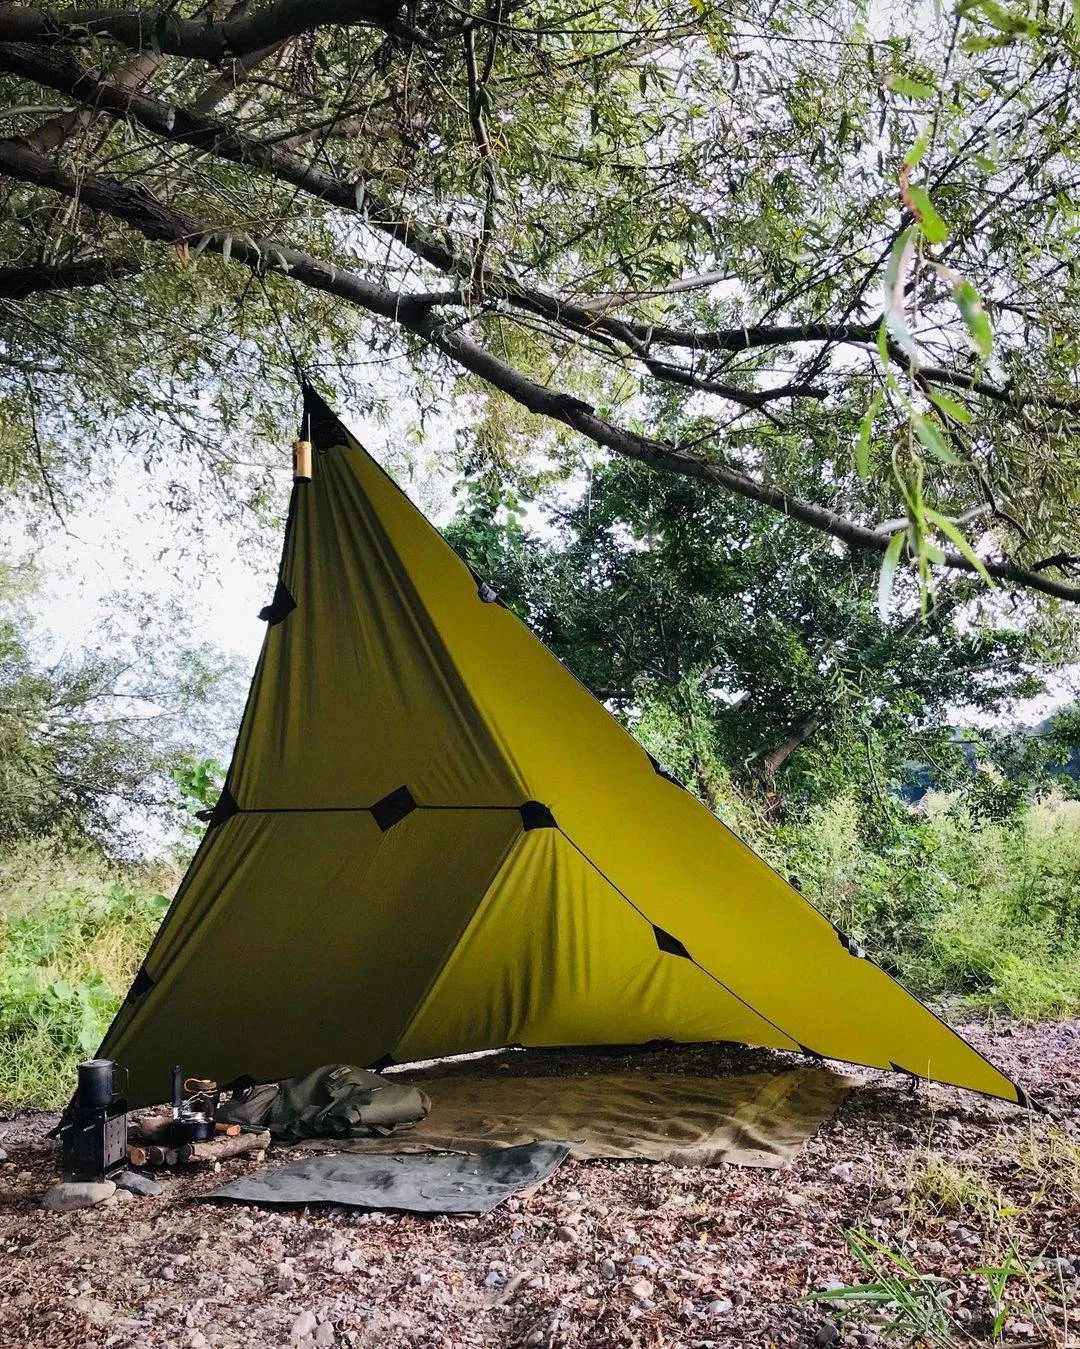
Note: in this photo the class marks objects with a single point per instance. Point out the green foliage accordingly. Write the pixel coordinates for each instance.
(938, 1187)
(909, 1307)
(199, 783)
(72, 934)
(731, 642)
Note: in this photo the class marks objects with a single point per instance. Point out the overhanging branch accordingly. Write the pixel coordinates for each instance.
(162, 30)
(157, 221)
(63, 72)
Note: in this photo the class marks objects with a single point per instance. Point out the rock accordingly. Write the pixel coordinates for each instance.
(826, 1334)
(607, 1268)
(135, 1183)
(342, 1266)
(3, 1155)
(642, 1289)
(98, 1313)
(843, 1172)
(494, 1278)
(796, 1200)
(304, 1325)
(644, 1262)
(720, 1306)
(74, 1194)
(167, 1272)
(565, 1233)
(325, 1334)
(1060, 1265)
(197, 1340)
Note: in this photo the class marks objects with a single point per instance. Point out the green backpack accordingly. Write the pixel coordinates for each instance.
(335, 1101)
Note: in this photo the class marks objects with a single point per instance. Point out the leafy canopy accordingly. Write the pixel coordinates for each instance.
(848, 252)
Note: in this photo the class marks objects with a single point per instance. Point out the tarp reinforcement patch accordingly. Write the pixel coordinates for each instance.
(672, 945)
(280, 607)
(393, 808)
(535, 815)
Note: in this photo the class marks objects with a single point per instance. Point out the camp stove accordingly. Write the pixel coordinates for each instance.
(93, 1133)
(194, 1104)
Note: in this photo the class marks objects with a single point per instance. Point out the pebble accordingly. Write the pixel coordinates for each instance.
(843, 1172)
(167, 1272)
(720, 1306)
(644, 1262)
(565, 1233)
(98, 1313)
(135, 1183)
(494, 1278)
(75, 1194)
(325, 1334)
(642, 1289)
(304, 1325)
(827, 1333)
(607, 1268)
(3, 1155)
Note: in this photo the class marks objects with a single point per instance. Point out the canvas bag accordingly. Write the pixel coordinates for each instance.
(334, 1101)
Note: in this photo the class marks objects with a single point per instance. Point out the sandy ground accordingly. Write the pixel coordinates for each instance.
(604, 1254)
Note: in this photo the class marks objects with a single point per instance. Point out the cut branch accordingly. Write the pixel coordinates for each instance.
(158, 221)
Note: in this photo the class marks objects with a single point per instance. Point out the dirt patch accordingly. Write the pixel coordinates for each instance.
(606, 1253)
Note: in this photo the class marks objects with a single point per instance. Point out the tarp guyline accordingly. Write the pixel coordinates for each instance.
(433, 839)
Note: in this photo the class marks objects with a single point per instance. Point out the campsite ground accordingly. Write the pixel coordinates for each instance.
(635, 1254)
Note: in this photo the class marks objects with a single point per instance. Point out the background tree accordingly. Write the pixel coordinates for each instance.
(785, 220)
(90, 742)
(731, 641)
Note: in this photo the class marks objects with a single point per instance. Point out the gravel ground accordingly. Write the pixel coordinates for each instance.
(604, 1254)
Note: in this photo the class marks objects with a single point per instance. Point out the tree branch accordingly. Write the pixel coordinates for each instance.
(158, 221)
(16, 283)
(62, 71)
(161, 30)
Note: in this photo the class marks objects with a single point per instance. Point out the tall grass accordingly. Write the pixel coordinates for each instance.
(983, 913)
(72, 933)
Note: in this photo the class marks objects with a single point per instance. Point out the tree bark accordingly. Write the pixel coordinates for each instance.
(800, 733)
(161, 30)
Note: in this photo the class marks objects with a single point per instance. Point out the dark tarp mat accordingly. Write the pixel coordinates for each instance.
(410, 1182)
(754, 1119)
(432, 839)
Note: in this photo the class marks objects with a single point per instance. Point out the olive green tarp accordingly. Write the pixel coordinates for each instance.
(433, 839)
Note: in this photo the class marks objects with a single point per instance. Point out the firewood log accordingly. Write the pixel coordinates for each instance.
(218, 1149)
